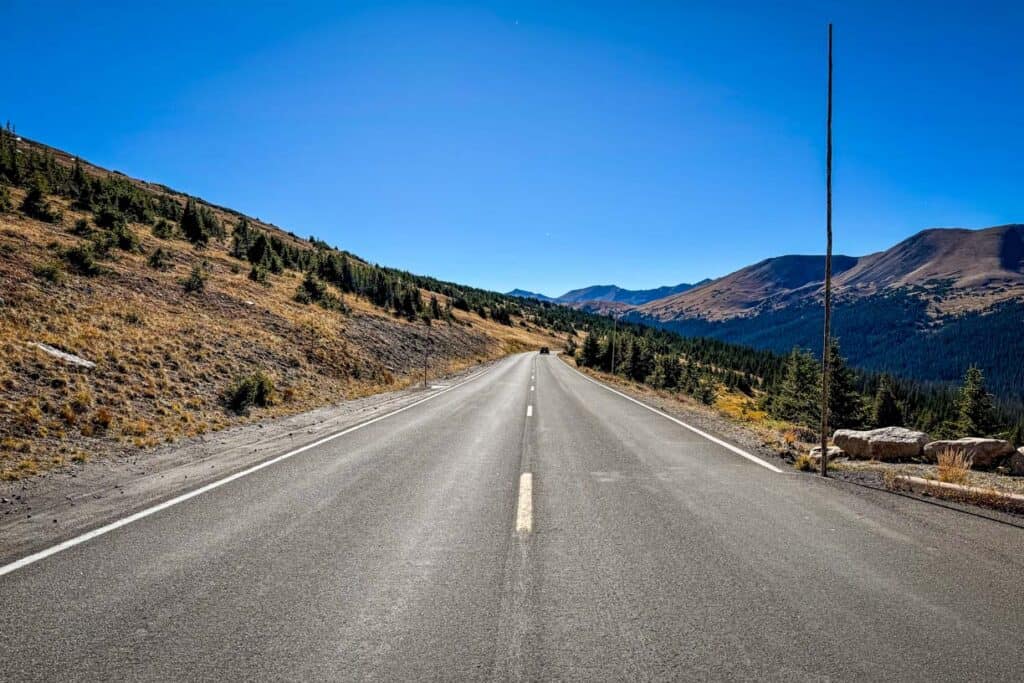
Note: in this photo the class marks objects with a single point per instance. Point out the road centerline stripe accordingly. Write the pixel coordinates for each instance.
(524, 511)
(529, 411)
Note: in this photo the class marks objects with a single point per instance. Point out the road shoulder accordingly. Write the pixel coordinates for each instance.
(701, 417)
(706, 419)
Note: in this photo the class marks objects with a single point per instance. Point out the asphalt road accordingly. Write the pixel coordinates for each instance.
(644, 551)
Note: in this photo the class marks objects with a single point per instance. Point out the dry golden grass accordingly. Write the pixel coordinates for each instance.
(954, 466)
(804, 462)
(163, 357)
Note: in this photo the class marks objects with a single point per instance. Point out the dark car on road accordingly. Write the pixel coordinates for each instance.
(545, 350)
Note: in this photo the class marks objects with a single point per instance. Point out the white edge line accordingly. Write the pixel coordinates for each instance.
(89, 535)
(524, 512)
(723, 444)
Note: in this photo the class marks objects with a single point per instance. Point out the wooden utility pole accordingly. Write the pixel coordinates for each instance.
(825, 369)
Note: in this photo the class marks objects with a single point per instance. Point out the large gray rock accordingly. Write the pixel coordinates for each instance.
(887, 443)
(984, 453)
(1015, 463)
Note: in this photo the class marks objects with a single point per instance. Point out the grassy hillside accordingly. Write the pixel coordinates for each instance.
(187, 337)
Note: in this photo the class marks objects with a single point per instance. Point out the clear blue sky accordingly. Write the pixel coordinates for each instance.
(543, 145)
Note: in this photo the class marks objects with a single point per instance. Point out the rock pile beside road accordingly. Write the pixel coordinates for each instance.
(897, 444)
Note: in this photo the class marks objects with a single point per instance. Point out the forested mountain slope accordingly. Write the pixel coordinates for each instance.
(924, 309)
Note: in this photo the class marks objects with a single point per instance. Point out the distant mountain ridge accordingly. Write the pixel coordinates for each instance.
(616, 294)
(523, 294)
(608, 294)
(954, 269)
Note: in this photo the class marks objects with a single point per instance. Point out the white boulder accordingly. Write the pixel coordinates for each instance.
(886, 443)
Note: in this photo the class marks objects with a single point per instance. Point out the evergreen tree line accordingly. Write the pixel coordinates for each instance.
(862, 400)
(789, 387)
(891, 332)
(667, 361)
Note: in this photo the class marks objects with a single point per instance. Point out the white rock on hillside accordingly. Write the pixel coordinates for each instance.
(68, 358)
(887, 443)
(984, 453)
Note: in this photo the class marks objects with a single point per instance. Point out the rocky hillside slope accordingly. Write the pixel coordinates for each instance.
(180, 337)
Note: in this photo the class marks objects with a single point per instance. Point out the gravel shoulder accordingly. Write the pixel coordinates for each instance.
(42, 511)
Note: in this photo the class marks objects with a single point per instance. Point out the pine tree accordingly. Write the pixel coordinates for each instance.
(845, 405)
(501, 315)
(79, 183)
(347, 279)
(242, 239)
(622, 350)
(800, 389)
(35, 205)
(639, 360)
(590, 352)
(195, 282)
(85, 199)
(160, 259)
(211, 225)
(262, 253)
(885, 412)
(10, 160)
(666, 371)
(192, 224)
(380, 289)
(570, 347)
(975, 413)
(689, 382)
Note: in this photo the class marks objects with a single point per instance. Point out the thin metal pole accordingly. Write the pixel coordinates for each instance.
(825, 361)
(615, 327)
(426, 344)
